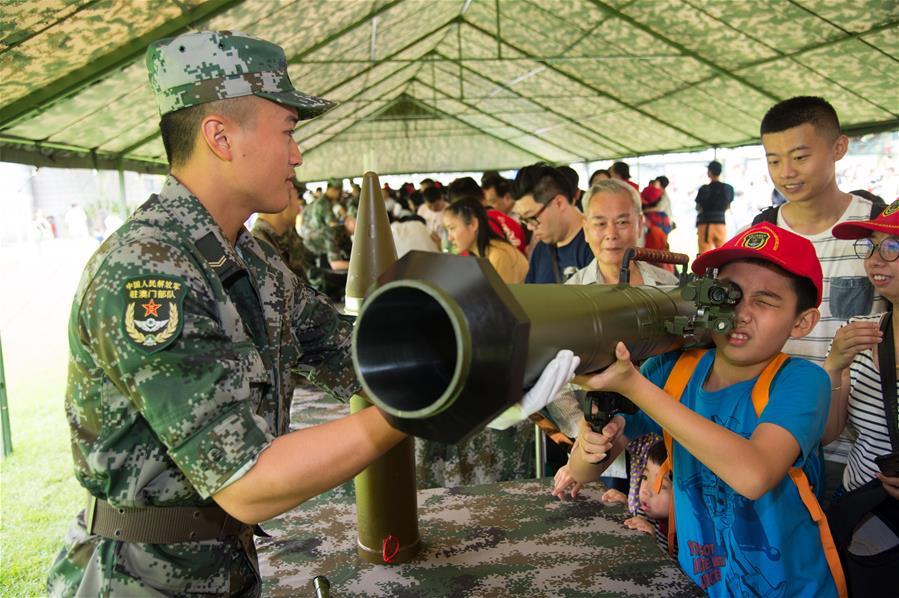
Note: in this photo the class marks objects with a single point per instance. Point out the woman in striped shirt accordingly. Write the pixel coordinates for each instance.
(852, 361)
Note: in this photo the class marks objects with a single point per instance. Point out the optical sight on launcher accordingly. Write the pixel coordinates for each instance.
(714, 301)
(443, 345)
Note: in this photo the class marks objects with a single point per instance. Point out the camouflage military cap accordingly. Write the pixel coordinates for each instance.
(206, 66)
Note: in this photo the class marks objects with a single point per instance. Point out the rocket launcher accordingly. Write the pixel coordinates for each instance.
(443, 345)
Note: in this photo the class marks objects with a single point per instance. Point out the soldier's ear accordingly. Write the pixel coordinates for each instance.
(215, 136)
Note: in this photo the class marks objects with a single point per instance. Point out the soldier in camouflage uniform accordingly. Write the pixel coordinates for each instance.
(186, 336)
(279, 231)
(322, 232)
(352, 201)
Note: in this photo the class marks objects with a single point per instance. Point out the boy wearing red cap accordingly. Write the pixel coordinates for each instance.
(747, 423)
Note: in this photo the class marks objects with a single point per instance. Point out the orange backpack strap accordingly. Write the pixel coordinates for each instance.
(674, 388)
(760, 396)
(830, 550)
(760, 391)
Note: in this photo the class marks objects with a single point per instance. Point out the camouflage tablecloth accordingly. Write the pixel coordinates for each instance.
(510, 538)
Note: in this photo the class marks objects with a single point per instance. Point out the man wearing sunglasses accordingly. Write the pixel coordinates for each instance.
(543, 202)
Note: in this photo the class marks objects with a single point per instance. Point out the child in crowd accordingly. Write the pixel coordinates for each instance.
(649, 508)
(745, 423)
(656, 204)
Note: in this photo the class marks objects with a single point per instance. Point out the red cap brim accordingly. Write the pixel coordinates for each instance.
(862, 229)
(716, 258)
(719, 257)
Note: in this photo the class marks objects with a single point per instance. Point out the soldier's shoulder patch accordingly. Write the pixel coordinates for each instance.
(154, 315)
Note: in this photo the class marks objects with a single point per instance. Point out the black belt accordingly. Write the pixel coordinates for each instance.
(160, 525)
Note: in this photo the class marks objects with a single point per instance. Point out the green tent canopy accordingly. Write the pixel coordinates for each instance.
(451, 85)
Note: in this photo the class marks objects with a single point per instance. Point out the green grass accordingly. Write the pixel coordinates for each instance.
(38, 492)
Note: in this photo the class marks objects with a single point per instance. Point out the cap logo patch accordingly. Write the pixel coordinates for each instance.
(891, 209)
(153, 311)
(756, 240)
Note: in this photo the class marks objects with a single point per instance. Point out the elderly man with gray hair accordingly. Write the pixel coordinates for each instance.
(613, 223)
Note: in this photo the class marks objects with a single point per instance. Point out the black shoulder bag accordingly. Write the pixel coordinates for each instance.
(769, 214)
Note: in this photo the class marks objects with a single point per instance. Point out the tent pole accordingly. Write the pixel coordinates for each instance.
(122, 200)
(4, 411)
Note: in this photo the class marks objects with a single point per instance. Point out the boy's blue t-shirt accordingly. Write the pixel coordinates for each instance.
(571, 258)
(728, 544)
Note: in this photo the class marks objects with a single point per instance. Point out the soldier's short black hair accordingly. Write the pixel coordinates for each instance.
(464, 187)
(179, 129)
(715, 168)
(542, 181)
(801, 110)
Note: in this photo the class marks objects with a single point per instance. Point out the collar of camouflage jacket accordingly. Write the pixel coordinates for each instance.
(196, 222)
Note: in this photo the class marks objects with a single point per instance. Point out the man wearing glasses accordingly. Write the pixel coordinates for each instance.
(544, 203)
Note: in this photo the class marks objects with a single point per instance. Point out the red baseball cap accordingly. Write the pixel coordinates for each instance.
(771, 243)
(650, 195)
(887, 222)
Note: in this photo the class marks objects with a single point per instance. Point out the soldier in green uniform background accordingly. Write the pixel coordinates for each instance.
(322, 231)
(279, 230)
(186, 337)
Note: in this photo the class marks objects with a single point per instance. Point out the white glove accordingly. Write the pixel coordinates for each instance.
(556, 374)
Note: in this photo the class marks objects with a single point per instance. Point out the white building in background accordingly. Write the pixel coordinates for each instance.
(76, 203)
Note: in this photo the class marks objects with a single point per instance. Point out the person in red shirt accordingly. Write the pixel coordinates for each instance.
(504, 225)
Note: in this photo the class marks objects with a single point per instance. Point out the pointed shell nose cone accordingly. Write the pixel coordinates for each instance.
(373, 247)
